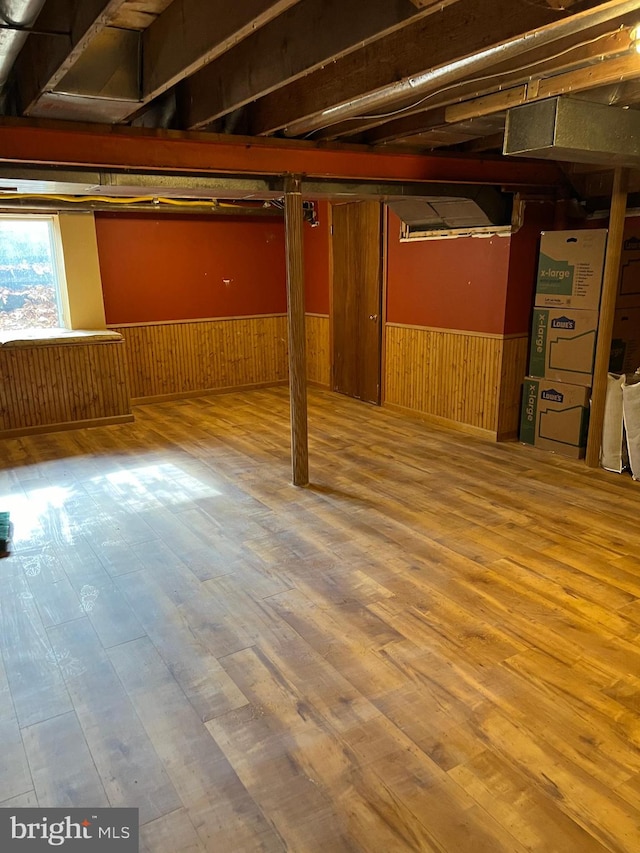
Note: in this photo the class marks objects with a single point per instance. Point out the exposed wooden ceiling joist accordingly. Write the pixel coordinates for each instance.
(412, 74)
(615, 70)
(569, 54)
(190, 34)
(461, 30)
(298, 42)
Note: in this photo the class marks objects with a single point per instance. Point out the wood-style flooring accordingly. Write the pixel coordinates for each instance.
(435, 647)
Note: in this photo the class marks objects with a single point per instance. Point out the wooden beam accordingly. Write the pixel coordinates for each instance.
(45, 59)
(293, 217)
(462, 29)
(609, 71)
(298, 42)
(191, 33)
(416, 121)
(607, 309)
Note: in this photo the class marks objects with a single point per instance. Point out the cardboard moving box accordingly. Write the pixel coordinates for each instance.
(570, 268)
(563, 345)
(625, 343)
(555, 416)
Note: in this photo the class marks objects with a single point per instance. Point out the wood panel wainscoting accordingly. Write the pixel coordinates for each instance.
(49, 385)
(188, 358)
(469, 380)
(318, 349)
(514, 359)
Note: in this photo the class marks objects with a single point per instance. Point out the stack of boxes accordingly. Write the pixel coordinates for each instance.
(555, 404)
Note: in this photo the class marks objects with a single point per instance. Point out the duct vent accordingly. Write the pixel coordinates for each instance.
(487, 212)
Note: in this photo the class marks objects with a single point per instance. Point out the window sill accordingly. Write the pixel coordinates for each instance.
(22, 338)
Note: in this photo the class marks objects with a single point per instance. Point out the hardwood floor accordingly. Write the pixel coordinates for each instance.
(432, 648)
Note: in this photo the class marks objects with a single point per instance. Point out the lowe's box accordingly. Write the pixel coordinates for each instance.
(570, 268)
(555, 416)
(625, 343)
(563, 345)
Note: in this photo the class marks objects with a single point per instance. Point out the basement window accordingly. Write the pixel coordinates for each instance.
(32, 291)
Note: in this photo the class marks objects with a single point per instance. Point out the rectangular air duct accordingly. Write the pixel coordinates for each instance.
(575, 130)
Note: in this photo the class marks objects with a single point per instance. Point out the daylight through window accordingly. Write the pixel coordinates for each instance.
(29, 281)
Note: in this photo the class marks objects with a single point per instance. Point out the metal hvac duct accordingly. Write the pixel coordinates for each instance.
(16, 17)
(570, 129)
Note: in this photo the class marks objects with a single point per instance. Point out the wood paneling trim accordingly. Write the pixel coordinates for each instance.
(464, 332)
(166, 360)
(45, 386)
(117, 326)
(444, 374)
(513, 369)
(318, 350)
(63, 427)
(203, 392)
(447, 423)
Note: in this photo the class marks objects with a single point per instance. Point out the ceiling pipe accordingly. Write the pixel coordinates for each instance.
(16, 17)
(431, 81)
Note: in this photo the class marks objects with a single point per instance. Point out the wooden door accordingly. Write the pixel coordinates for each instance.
(357, 299)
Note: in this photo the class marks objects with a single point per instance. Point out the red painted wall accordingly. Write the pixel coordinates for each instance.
(316, 262)
(189, 267)
(449, 284)
(523, 266)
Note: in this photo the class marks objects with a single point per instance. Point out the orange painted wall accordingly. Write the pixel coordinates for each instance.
(194, 267)
(448, 284)
(189, 267)
(523, 266)
(316, 262)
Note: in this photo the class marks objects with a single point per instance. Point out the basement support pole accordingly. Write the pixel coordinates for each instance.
(607, 309)
(293, 218)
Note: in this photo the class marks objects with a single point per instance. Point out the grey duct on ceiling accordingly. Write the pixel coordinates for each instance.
(475, 207)
(16, 17)
(576, 130)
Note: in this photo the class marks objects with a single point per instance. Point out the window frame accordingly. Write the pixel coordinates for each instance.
(58, 265)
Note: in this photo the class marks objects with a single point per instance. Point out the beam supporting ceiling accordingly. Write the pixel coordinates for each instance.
(298, 42)
(190, 34)
(44, 182)
(572, 54)
(466, 37)
(615, 70)
(213, 154)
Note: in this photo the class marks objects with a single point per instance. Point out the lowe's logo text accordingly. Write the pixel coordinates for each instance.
(552, 396)
(563, 323)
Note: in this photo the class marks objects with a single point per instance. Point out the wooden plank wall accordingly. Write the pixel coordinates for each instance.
(318, 349)
(187, 358)
(62, 386)
(183, 359)
(515, 354)
(445, 375)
